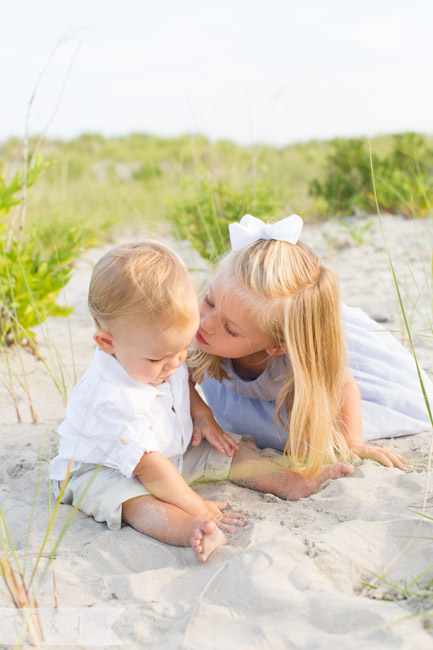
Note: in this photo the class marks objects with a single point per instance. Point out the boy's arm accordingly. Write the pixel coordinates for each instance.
(351, 417)
(163, 480)
(205, 425)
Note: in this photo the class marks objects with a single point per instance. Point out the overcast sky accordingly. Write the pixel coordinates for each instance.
(275, 71)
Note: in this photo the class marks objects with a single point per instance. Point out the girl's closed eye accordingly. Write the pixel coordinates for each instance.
(229, 331)
(207, 300)
(154, 360)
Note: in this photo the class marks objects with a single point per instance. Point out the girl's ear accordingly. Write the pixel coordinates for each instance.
(276, 350)
(104, 340)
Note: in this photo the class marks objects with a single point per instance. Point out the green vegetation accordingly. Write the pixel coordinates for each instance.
(32, 274)
(204, 218)
(97, 187)
(104, 183)
(404, 178)
(102, 186)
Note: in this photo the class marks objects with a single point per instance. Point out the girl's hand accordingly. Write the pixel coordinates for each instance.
(227, 521)
(205, 426)
(386, 457)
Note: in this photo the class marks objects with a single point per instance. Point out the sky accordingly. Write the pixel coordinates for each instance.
(268, 71)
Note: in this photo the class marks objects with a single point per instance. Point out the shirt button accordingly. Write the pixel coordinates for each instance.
(123, 441)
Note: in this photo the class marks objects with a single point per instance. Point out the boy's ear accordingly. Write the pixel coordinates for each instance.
(104, 340)
(276, 350)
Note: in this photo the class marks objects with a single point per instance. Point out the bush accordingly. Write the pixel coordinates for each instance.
(31, 277)
(30, 282)
(404, 177)
(146, 171)
(347, 184)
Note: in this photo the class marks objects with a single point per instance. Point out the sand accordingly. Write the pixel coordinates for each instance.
(296, 575)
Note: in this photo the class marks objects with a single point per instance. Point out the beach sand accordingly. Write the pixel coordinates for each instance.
(296, 576)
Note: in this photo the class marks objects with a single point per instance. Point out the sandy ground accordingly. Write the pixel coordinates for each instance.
(296, 576)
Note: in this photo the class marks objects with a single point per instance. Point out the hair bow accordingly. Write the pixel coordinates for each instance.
(250, 229)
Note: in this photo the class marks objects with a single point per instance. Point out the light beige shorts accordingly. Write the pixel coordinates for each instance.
(100, 491)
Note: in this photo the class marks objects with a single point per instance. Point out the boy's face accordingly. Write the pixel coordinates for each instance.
(147, 353)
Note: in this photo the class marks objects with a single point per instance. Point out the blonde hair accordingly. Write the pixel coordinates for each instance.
(146, 280)
(293, 298)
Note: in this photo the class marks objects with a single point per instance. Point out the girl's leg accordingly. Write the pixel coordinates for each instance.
(171, 525)
(252, 470)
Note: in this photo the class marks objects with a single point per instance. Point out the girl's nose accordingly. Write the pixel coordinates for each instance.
(206, 322)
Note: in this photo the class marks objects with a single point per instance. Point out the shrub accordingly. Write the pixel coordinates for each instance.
(30, 276)
(30, 282)
(347, 178)
(404, 178)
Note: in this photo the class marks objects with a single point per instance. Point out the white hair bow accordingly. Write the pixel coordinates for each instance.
(250, 229)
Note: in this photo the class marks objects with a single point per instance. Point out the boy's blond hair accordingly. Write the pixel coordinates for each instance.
(146, 280)
(294, 298)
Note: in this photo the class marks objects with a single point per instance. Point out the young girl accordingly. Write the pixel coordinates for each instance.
(273, 361)
(131, 413)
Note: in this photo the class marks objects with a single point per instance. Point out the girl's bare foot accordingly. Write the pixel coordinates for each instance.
(253, 470)
(206, 537)
(301, 487)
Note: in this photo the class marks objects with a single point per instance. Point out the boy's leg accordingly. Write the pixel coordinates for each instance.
(252, 470)
(170, 524)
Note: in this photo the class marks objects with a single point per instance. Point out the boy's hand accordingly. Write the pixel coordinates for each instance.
(386, 457)
(227, 521)
(205, 426)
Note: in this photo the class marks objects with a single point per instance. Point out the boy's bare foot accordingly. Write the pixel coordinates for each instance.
(205, 539)
(301, 487)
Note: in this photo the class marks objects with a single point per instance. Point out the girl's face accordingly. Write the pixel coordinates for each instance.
(226, 329)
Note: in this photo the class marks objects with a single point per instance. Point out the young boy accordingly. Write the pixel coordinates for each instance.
(131, 412)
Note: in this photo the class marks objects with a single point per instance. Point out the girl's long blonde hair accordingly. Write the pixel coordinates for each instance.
(294, 298)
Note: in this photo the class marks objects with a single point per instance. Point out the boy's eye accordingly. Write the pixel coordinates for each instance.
(154, 360)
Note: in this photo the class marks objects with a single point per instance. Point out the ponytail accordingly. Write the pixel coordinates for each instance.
(311, 395)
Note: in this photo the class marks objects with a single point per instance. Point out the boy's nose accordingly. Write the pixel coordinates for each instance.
(171, 364)
(175, 361)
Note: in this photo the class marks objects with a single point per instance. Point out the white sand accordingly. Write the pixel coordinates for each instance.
(294, 577)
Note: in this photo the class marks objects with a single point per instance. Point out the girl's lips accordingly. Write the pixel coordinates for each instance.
(200, 339)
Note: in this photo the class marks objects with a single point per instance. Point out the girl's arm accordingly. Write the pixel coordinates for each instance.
(351, 416)
(205, 425)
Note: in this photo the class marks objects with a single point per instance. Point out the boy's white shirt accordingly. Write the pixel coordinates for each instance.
(114, 419)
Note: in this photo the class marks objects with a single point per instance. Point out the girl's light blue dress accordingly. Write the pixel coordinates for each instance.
(392, 401)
